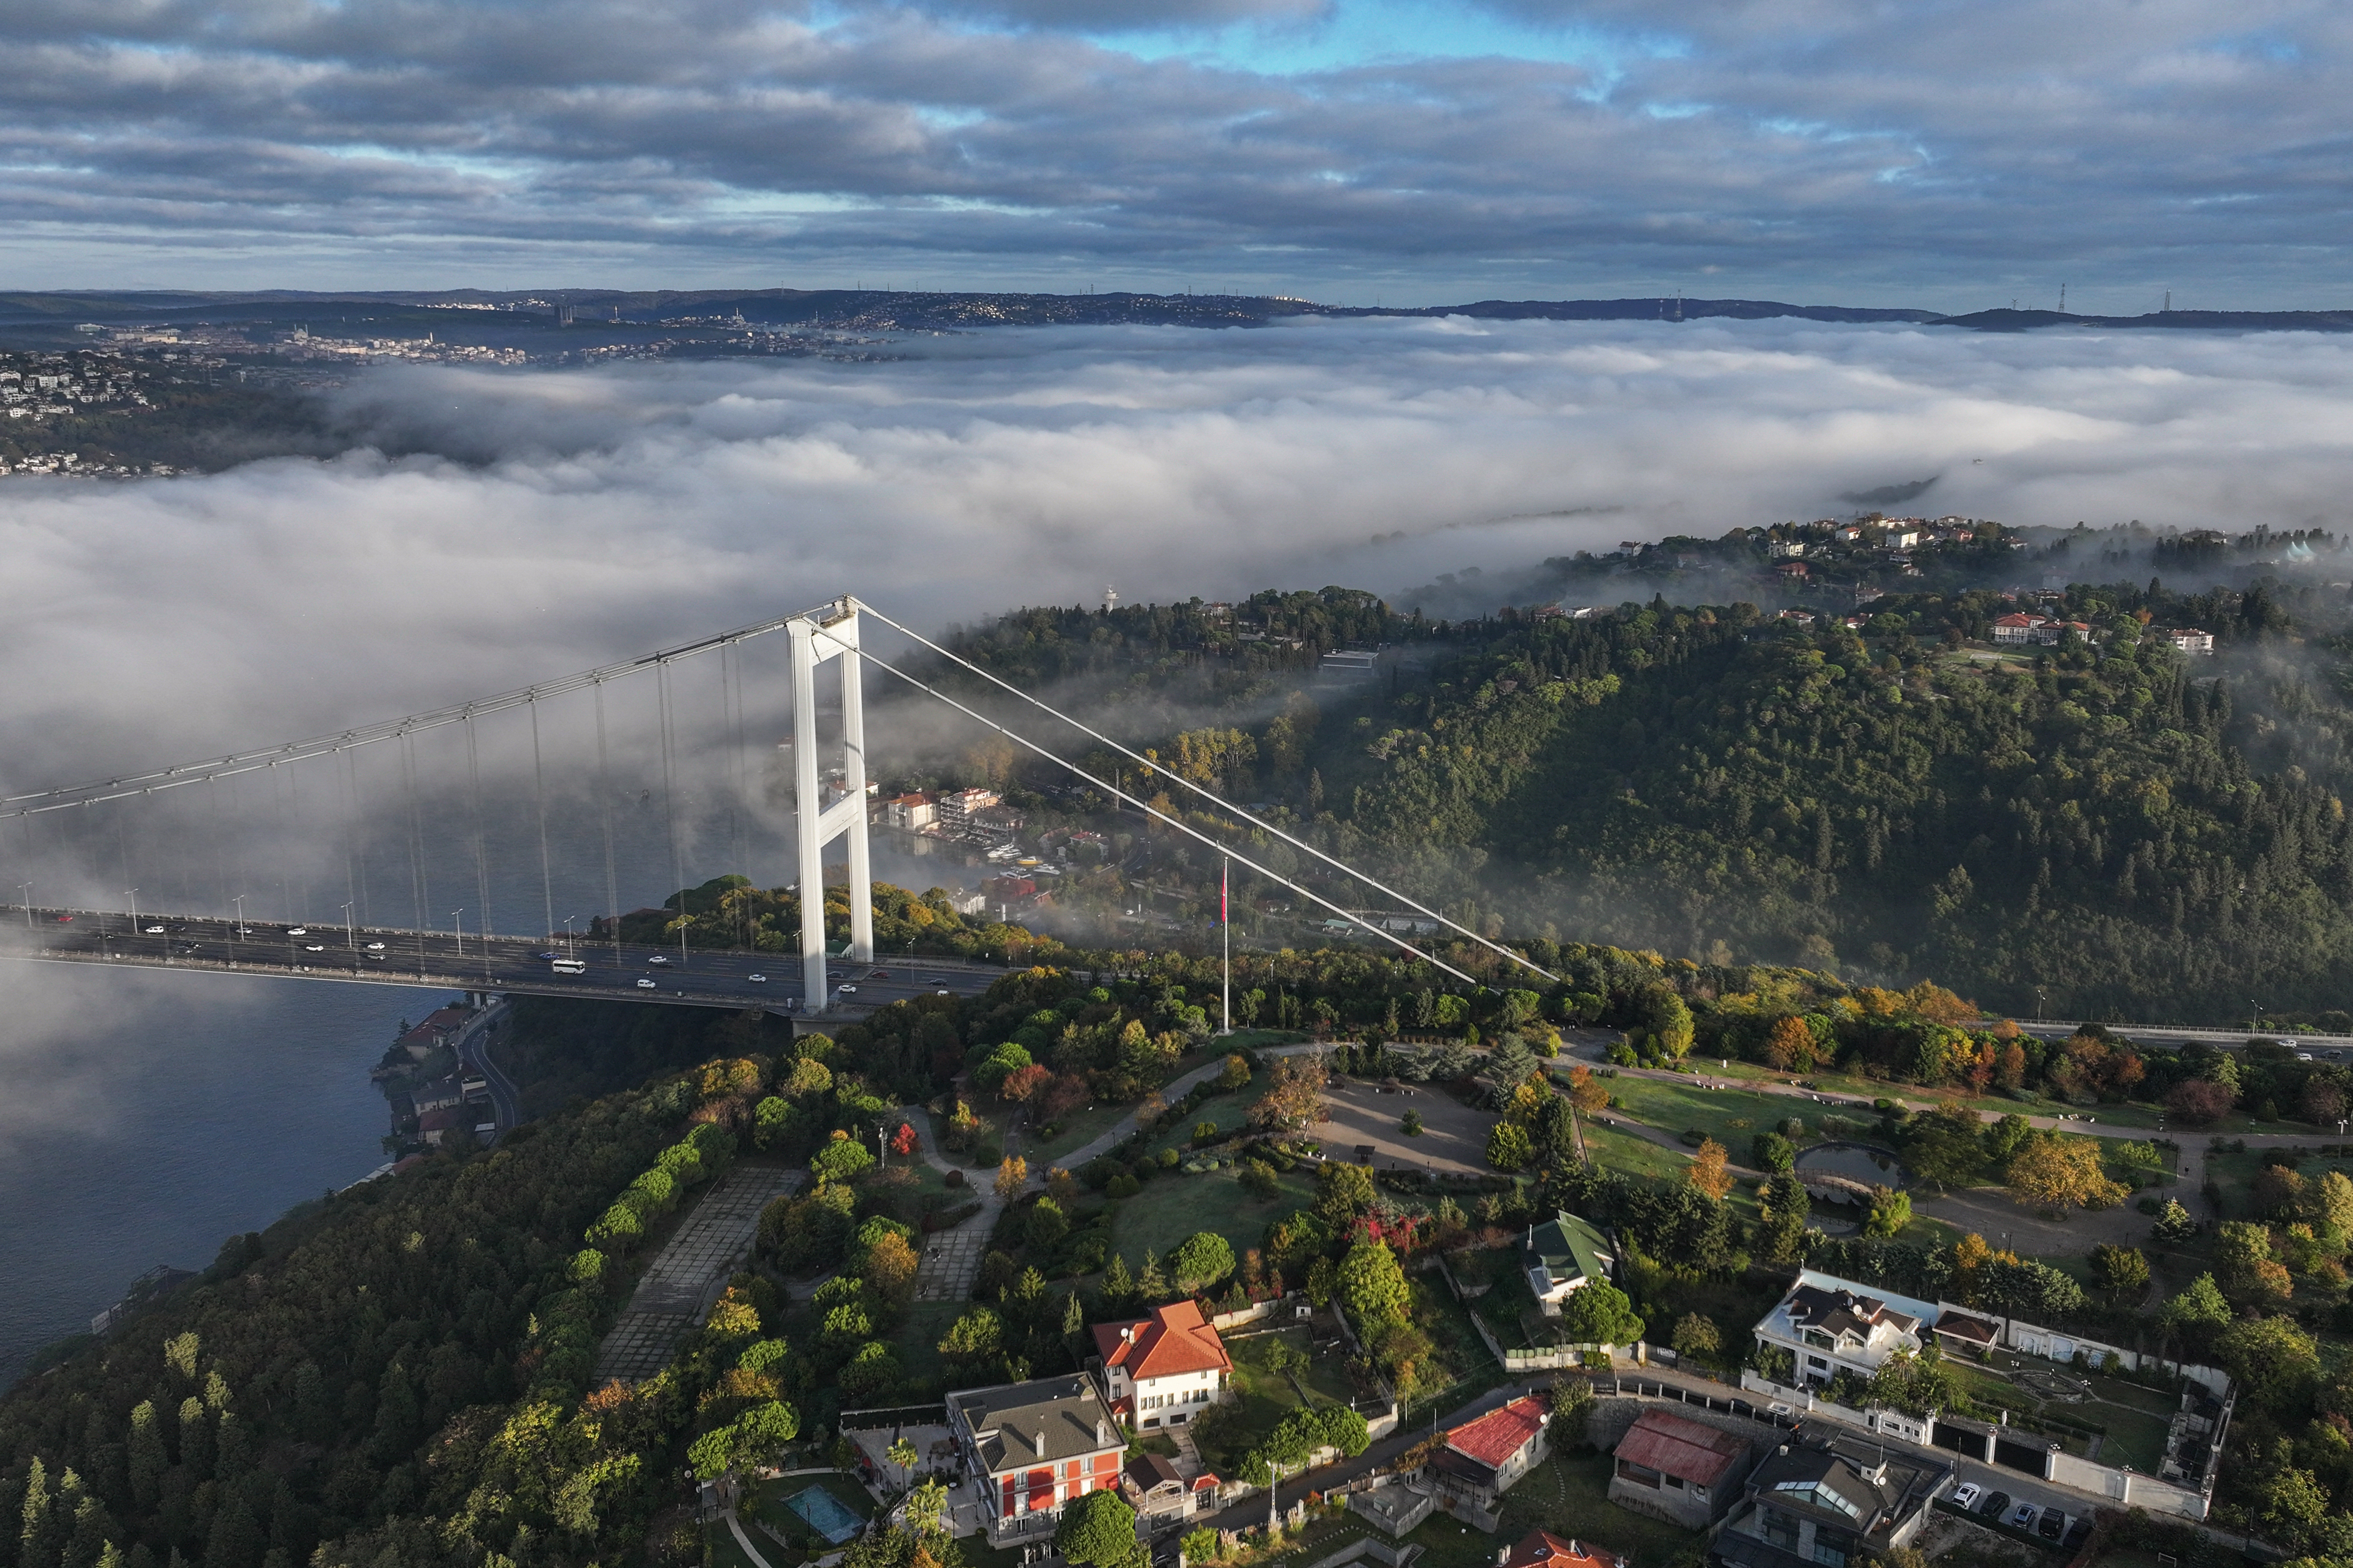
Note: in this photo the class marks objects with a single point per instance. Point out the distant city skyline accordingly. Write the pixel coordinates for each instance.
(1353, 152)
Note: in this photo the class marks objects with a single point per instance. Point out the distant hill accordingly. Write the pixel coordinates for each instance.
(888, 310)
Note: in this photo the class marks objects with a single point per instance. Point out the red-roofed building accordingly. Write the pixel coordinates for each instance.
(1543, 1549)
(1482, 1458)
(1164, 1370)
(1675, 1468)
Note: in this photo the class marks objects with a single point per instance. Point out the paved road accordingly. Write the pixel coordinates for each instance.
(518, 965)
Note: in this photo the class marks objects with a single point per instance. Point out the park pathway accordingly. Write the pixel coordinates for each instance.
(683, 1280)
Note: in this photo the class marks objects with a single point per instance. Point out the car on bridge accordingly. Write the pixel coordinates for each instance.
(657, 958)
(757, 979)
(645, 982)
(375, 947)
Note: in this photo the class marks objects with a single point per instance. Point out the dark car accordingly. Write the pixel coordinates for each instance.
(1994, 1507)
(2077, 1533)
(2053, 1525)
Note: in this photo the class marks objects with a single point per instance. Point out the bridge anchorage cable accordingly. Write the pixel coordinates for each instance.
(1223, 804)
(1187, 829)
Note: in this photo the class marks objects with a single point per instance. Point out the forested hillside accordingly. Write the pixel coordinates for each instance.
(2102, 828)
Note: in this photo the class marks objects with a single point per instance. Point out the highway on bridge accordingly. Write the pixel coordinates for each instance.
(514, 966)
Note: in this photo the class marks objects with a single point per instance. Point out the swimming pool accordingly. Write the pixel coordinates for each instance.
(826, 1514)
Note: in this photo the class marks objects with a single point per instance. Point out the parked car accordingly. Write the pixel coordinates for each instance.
(2077, 1533)
(1966, 1495)
(2053, 1525)
(2022, 1516)
(1994, 1507)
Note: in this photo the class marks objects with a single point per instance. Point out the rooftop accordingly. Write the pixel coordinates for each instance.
(1501, 1433)
(1565, 1242)
(1018, 1425)
(1542, 1546)
(1174, 1339)
(1853, 1483)
(1680, 1446)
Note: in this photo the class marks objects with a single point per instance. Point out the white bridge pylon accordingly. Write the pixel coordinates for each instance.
(821, 637)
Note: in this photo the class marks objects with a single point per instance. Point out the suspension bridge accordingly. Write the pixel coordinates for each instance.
(233, 863)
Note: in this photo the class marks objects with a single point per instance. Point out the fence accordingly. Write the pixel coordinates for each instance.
(896, 1415)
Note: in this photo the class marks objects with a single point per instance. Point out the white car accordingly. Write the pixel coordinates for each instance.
(154, 931)
(375, 947)
(298, 931)
(314, 947)
(658, 957)
(757, 979)
(846, 989)
(1966, 1495)
(644, 983)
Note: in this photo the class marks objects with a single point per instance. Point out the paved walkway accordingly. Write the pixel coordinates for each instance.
(679, 1287)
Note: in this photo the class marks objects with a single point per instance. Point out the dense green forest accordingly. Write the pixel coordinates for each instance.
(2102, 828)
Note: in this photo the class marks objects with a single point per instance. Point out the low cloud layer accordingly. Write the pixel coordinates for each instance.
(1927, 155)
(582, 517)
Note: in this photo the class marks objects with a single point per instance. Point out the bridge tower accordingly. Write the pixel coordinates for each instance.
(819, 637)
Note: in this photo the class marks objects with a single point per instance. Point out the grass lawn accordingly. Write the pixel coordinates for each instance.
(719, 1550)
(2136, 1419)
(1075, 1130)
(918, 1339)
(1634, 1155)
(1173, 1206)
(1568, 1494)
(1462, 1358)
(1262, 1397)
(1728, 1116)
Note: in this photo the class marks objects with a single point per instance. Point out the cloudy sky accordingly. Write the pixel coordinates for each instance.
(1904, 152)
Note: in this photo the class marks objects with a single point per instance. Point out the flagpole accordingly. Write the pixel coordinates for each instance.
(1225, 925)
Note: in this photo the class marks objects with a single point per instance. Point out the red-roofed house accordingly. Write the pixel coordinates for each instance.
(1675, 1468)
(1482, 1457)
(1543, 1549)
(1164, 1370)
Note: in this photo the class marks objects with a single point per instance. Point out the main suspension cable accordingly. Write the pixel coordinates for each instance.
(1223, 804)
(1151, 810)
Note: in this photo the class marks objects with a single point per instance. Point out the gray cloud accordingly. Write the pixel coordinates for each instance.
(582, 516)
(1916, 153)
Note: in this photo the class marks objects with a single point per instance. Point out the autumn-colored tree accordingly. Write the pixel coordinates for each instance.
(1587, 1092)
(2062, 1174)
(2200, 1101)
(1022, 1082)
(1707, 1170)
(905, 1140)
(1931, 1001)
(2244, 1268)
(1294, 1095)
(1790, 1045)
(1012, 1176)
(890, 1267)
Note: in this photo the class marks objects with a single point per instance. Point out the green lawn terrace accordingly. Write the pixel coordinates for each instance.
(2091, 1415)
(1311, 1375)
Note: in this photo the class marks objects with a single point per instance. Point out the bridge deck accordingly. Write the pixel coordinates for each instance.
(699, 977)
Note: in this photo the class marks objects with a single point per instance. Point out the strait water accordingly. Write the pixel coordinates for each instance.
(145, 1117)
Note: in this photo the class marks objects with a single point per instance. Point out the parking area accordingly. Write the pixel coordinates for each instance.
(1365, 1117)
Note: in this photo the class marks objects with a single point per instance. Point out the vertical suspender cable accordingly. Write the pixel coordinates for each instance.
(352, 774)
(539, 801)
(220, 859)
(669, 803)
(605, 797)
(351, 836)
(481, 848)
(731, 695)
(294, 809)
